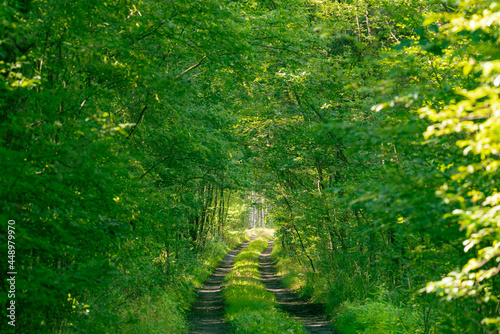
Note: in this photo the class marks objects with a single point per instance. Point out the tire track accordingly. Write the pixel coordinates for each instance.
(207, 314)
(312, 315)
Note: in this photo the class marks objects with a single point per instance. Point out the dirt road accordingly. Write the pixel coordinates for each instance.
(207, 314)
(311, 315)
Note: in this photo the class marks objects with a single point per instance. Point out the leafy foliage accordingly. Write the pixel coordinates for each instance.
(130, 132)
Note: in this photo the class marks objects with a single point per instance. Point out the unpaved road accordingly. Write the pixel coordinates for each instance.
(311, 315)
(207, 314)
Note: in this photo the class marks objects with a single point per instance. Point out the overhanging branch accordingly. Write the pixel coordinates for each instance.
(191, 68)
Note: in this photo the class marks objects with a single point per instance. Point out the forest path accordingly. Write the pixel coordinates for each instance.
(207, 314)
(312, 315)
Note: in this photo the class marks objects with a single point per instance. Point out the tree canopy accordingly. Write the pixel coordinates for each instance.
(132, 133)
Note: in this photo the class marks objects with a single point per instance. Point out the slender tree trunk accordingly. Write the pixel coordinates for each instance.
(304, 249)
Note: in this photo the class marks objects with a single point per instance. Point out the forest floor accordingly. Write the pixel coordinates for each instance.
(207, 315)
(310, 314)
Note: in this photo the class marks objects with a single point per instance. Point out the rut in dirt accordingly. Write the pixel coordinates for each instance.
(207, 314)
(312, 315)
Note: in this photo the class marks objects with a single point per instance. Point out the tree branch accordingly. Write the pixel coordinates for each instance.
(191, 68)
(141, 115)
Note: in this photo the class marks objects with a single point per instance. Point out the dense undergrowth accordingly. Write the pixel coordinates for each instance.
(128, 129)
(356, 306)
(163, 308)
(250, 308)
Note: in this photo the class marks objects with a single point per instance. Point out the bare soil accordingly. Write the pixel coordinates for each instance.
(207, 314)
(312, 315)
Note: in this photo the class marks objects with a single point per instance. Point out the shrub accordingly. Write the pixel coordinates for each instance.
(376, 317)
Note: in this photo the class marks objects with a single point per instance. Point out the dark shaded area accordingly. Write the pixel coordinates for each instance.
(312, 315)
(207, 314)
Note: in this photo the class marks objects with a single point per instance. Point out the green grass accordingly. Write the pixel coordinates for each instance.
(375, 317)
(156, 309)
(353, 312)
(250, 308)
(292, 273)
(156, 315)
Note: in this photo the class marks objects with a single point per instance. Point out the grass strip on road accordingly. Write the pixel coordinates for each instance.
(250, 308)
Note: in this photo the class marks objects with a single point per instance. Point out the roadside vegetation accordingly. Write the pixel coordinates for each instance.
(136, 134)
(162, 309)
(354, 307)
